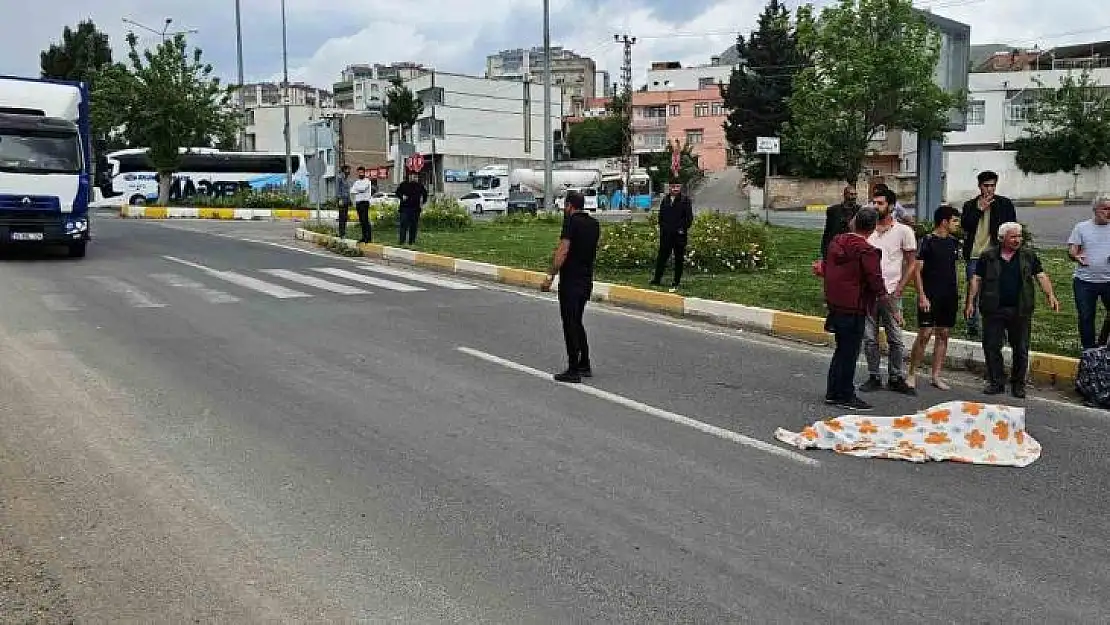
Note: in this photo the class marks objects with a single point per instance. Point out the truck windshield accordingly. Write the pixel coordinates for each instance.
(23, 152)
(485, 183)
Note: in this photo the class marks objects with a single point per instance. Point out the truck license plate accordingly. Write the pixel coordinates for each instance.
(26, 236)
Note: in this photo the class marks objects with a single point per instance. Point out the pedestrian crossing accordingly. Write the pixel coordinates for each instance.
(209, 285)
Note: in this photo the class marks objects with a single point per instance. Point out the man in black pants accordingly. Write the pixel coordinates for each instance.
(413, 195)
(574, 264)
(676, 214)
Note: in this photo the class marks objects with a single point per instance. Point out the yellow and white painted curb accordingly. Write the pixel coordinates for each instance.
(248, 214)
(1048, 202)
(1048, 369)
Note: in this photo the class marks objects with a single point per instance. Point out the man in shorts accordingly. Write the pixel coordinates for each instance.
(938, 293)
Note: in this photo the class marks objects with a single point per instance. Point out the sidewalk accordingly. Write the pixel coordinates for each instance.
(1048, 369)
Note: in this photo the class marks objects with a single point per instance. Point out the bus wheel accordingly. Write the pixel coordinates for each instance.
(77, 249)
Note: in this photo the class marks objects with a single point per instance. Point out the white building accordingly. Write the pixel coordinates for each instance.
(671, 76)
(469, 122)
(300, 94)
(265, 126)
(998, 104)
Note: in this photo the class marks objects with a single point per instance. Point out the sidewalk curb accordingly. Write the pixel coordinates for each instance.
(241, 214)
(1058, 371)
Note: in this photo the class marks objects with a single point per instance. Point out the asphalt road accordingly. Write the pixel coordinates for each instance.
(182, 441)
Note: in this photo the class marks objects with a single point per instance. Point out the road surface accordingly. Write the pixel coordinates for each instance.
(198, 429)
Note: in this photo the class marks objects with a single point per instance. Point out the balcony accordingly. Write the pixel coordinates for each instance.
(642, 144)
(649, 123)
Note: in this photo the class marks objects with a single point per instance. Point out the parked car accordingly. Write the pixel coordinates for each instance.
(478, 202)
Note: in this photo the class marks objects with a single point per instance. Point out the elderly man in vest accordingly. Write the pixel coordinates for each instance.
(1003, 282)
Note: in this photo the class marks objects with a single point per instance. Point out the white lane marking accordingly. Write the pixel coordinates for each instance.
(372, 281)
(273, 290)
(60, 302)
(134, 297)
(318, 283)
(666, 415)
(416, 277)
(210, 295)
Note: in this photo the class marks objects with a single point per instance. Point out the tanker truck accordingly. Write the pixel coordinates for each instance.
(529, 182)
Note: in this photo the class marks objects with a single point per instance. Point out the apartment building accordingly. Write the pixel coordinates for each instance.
(265, 125)
(688, 116)
(671, 76)
(269, 94)
(573, 74)
(362, 87)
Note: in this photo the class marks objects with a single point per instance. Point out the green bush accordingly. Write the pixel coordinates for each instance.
(717, 244)
(441, 213)
(524, 219)
(250, 198)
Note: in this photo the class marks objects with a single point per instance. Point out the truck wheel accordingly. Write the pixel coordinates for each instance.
(77, 249)
(478, 209)
(137, 200)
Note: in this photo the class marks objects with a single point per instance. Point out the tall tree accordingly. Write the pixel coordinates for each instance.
(873, 69)
(596, 137)
(1068, 127)
(757, 94)
(658, 165)
(81, 54)
(402, 107)
(617, 108)
(166, 99)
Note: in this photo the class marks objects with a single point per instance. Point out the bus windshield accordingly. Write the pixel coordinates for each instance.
(31, 152)
(485, 183)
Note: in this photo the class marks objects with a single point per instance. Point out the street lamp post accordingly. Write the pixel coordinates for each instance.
(547, 140)
(285, 102)
(162, 33)
(242, 99)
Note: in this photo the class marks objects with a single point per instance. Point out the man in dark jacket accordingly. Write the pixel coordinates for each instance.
(837, 217)
(854, 287)
(981, 217)
(676, 215)
(413, 195)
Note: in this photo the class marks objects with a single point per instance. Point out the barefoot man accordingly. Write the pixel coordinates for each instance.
(938, 293)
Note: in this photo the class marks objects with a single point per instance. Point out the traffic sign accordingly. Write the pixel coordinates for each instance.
(766, 145)
(416, 162)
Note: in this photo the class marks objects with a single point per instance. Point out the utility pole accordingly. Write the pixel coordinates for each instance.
(527, 101)
(548, 150)
(285, 103)
(242, 96)
(626, 76)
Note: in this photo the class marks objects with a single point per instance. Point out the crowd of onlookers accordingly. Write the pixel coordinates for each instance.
(870, 254)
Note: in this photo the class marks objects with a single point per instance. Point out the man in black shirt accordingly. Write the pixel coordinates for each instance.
(938, 293)
(837, 217)
(676, 215)
(413, 195)
(574, 264)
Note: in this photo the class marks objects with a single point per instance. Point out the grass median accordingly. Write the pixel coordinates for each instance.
(786, 284)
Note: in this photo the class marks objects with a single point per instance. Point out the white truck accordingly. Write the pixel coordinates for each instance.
(530, 182)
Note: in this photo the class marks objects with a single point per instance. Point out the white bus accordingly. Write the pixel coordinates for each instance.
(203, 171)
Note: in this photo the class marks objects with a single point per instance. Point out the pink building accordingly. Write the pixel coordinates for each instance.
(693, 116)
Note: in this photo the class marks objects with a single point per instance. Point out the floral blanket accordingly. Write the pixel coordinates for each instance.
(957, 431)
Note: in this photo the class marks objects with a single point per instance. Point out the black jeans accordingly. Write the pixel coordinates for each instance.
(848, 332)
(363, 210)
(670, 242)
(343, 206)
(1087, 296)
(407, 221)
(1001, 326)
(572, 306)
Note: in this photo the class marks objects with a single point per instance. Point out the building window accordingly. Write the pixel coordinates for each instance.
(249, 118)
(695, 137)
(976, 113)
(424, 128)
(1017, 113)
(701, 109)
(431, 96)
(675, 110)
(707, 82)
(717, 109)
(880, 134)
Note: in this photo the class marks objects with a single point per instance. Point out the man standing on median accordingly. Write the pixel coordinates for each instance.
(574, 264)
(1089, 246)
(412, 195)
(676, 215)
(938, 294)
(898, 245)
(981, 218)
(854, 287)
(362, 190)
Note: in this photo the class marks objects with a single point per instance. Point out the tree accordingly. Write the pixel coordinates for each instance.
(1068, 127)
(758, 91)
(596, 137)
(617, 109)
(402, 107)
(658, 165)
(80, 56)
(873, 69)
(166, 100)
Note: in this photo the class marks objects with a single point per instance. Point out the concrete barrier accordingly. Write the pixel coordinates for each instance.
(1058, 371)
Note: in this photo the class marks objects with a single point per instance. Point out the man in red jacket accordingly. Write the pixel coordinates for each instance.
(853, 288)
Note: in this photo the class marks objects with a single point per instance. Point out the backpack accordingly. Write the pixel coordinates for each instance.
(1093, 379)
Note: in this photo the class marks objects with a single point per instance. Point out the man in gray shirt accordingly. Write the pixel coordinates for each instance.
(1089, 245)
(343, 197)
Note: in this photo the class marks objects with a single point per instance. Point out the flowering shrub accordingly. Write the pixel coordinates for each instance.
(716, 244)
(250, 198)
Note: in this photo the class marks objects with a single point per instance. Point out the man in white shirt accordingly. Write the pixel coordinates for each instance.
(898, 245)
(361, 191)
(1089, 246)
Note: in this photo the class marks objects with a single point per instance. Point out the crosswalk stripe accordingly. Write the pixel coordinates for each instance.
(319, 283)
(378, 282)
(210, 295)
(134, 297)
(417, 277)
(238, 279)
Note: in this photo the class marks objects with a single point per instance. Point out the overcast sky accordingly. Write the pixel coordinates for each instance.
(456, 35)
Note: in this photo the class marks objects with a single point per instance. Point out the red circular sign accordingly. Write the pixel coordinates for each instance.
(416, 162)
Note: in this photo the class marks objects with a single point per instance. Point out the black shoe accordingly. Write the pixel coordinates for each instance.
(1018, 390)
(994, 389)
(854, 403)
(570, 376)
(872, 384)
(898, 385)
(585, 371)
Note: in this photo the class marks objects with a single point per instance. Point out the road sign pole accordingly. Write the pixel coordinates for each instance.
(766, 183)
